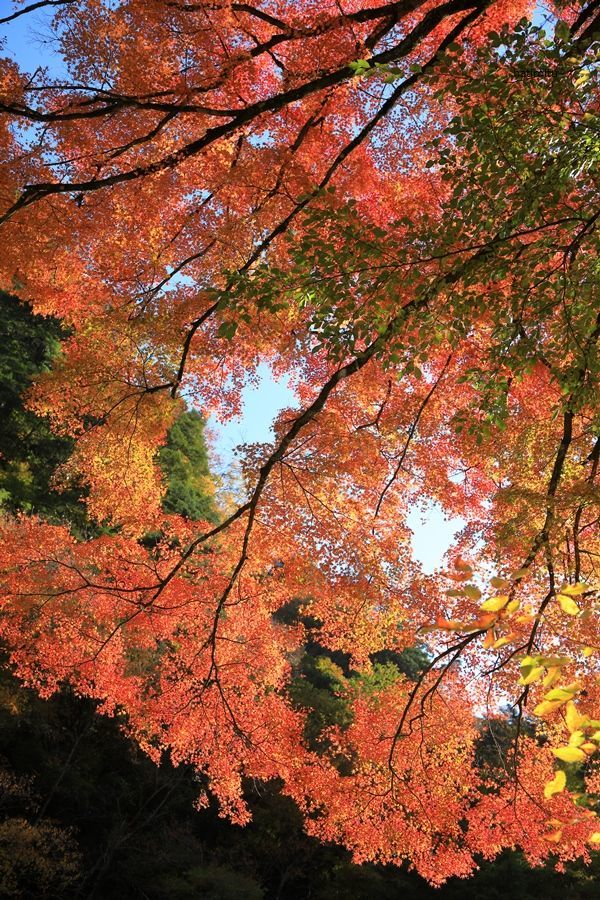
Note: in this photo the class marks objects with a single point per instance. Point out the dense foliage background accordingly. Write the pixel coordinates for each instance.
(85, 813)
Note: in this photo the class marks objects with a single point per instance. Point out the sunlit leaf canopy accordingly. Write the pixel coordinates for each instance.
(394, 204)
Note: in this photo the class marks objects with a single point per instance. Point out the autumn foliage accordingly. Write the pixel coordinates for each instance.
(395, 204)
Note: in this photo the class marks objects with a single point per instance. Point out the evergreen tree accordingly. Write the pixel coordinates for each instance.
(29, 451)
(184, 462)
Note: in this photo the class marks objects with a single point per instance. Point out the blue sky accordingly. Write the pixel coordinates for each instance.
(261, 403)
(28, 42)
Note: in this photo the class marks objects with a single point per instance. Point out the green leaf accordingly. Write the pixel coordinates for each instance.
(227, 330)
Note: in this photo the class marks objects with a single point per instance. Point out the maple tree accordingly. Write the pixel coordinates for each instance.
(396, 204)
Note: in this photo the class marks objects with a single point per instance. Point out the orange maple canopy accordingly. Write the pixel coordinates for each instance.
(394, 203)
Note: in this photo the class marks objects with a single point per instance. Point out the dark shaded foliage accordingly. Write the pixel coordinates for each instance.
(29, 451)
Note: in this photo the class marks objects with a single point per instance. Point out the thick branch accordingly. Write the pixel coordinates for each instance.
(240, 117)
(32, 7)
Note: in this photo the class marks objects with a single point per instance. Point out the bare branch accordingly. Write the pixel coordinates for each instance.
(32, 7)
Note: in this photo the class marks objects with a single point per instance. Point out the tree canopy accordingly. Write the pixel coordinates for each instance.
(395, 205)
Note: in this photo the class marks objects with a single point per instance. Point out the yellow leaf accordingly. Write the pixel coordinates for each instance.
(569, 754)
(555, 661)
(573, 717)
(573, 590)
(594, 838)
(588, 651)
(551, 677)
(529, 661)
(503, 641)
(561, 693)
(513, 606)
(576, 739)
(546, 707)
(555, 786)
(589, 748)
(533, 675)
(494, 604)
(568, 605)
